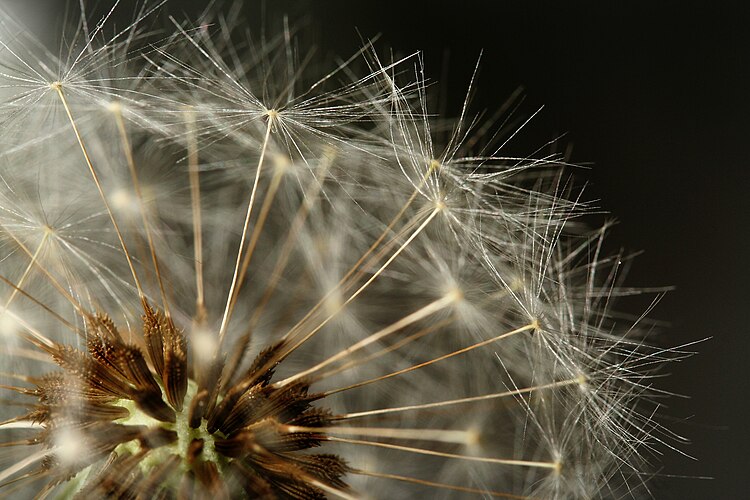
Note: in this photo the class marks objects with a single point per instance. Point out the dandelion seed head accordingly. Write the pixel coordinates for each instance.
(230, 273)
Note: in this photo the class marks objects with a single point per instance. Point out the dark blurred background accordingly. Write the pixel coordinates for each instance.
(653, 95)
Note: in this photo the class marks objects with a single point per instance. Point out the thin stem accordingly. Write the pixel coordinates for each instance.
(463, 489)
(195, 202)
(22, 464)
(310, 194)
(57, 86)
(437, 435)
(422, 313)
(36, 301)
(483, 343)
(258, 229)
(56, 284)
(296, 226)
(411, 338)
(391, 348)
(356, 266)
(421, 451)
(230, 298)
(354, 273)
(117, 110)
(34, 355)
(33, 331)
(451, 402)
(26, 272)
(21, 424)
(421, 228)
(368, 282)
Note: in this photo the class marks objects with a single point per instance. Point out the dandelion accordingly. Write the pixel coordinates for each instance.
(226, 275)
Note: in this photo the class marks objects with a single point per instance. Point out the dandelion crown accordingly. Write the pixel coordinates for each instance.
(227, 275)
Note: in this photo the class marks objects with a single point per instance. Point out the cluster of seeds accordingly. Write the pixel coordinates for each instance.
(159, 432)
(225, 276)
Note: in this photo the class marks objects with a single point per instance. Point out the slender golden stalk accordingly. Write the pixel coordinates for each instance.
(58, 87)
(272, 117)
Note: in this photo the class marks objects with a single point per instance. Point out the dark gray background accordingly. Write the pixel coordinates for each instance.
(655, 95)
